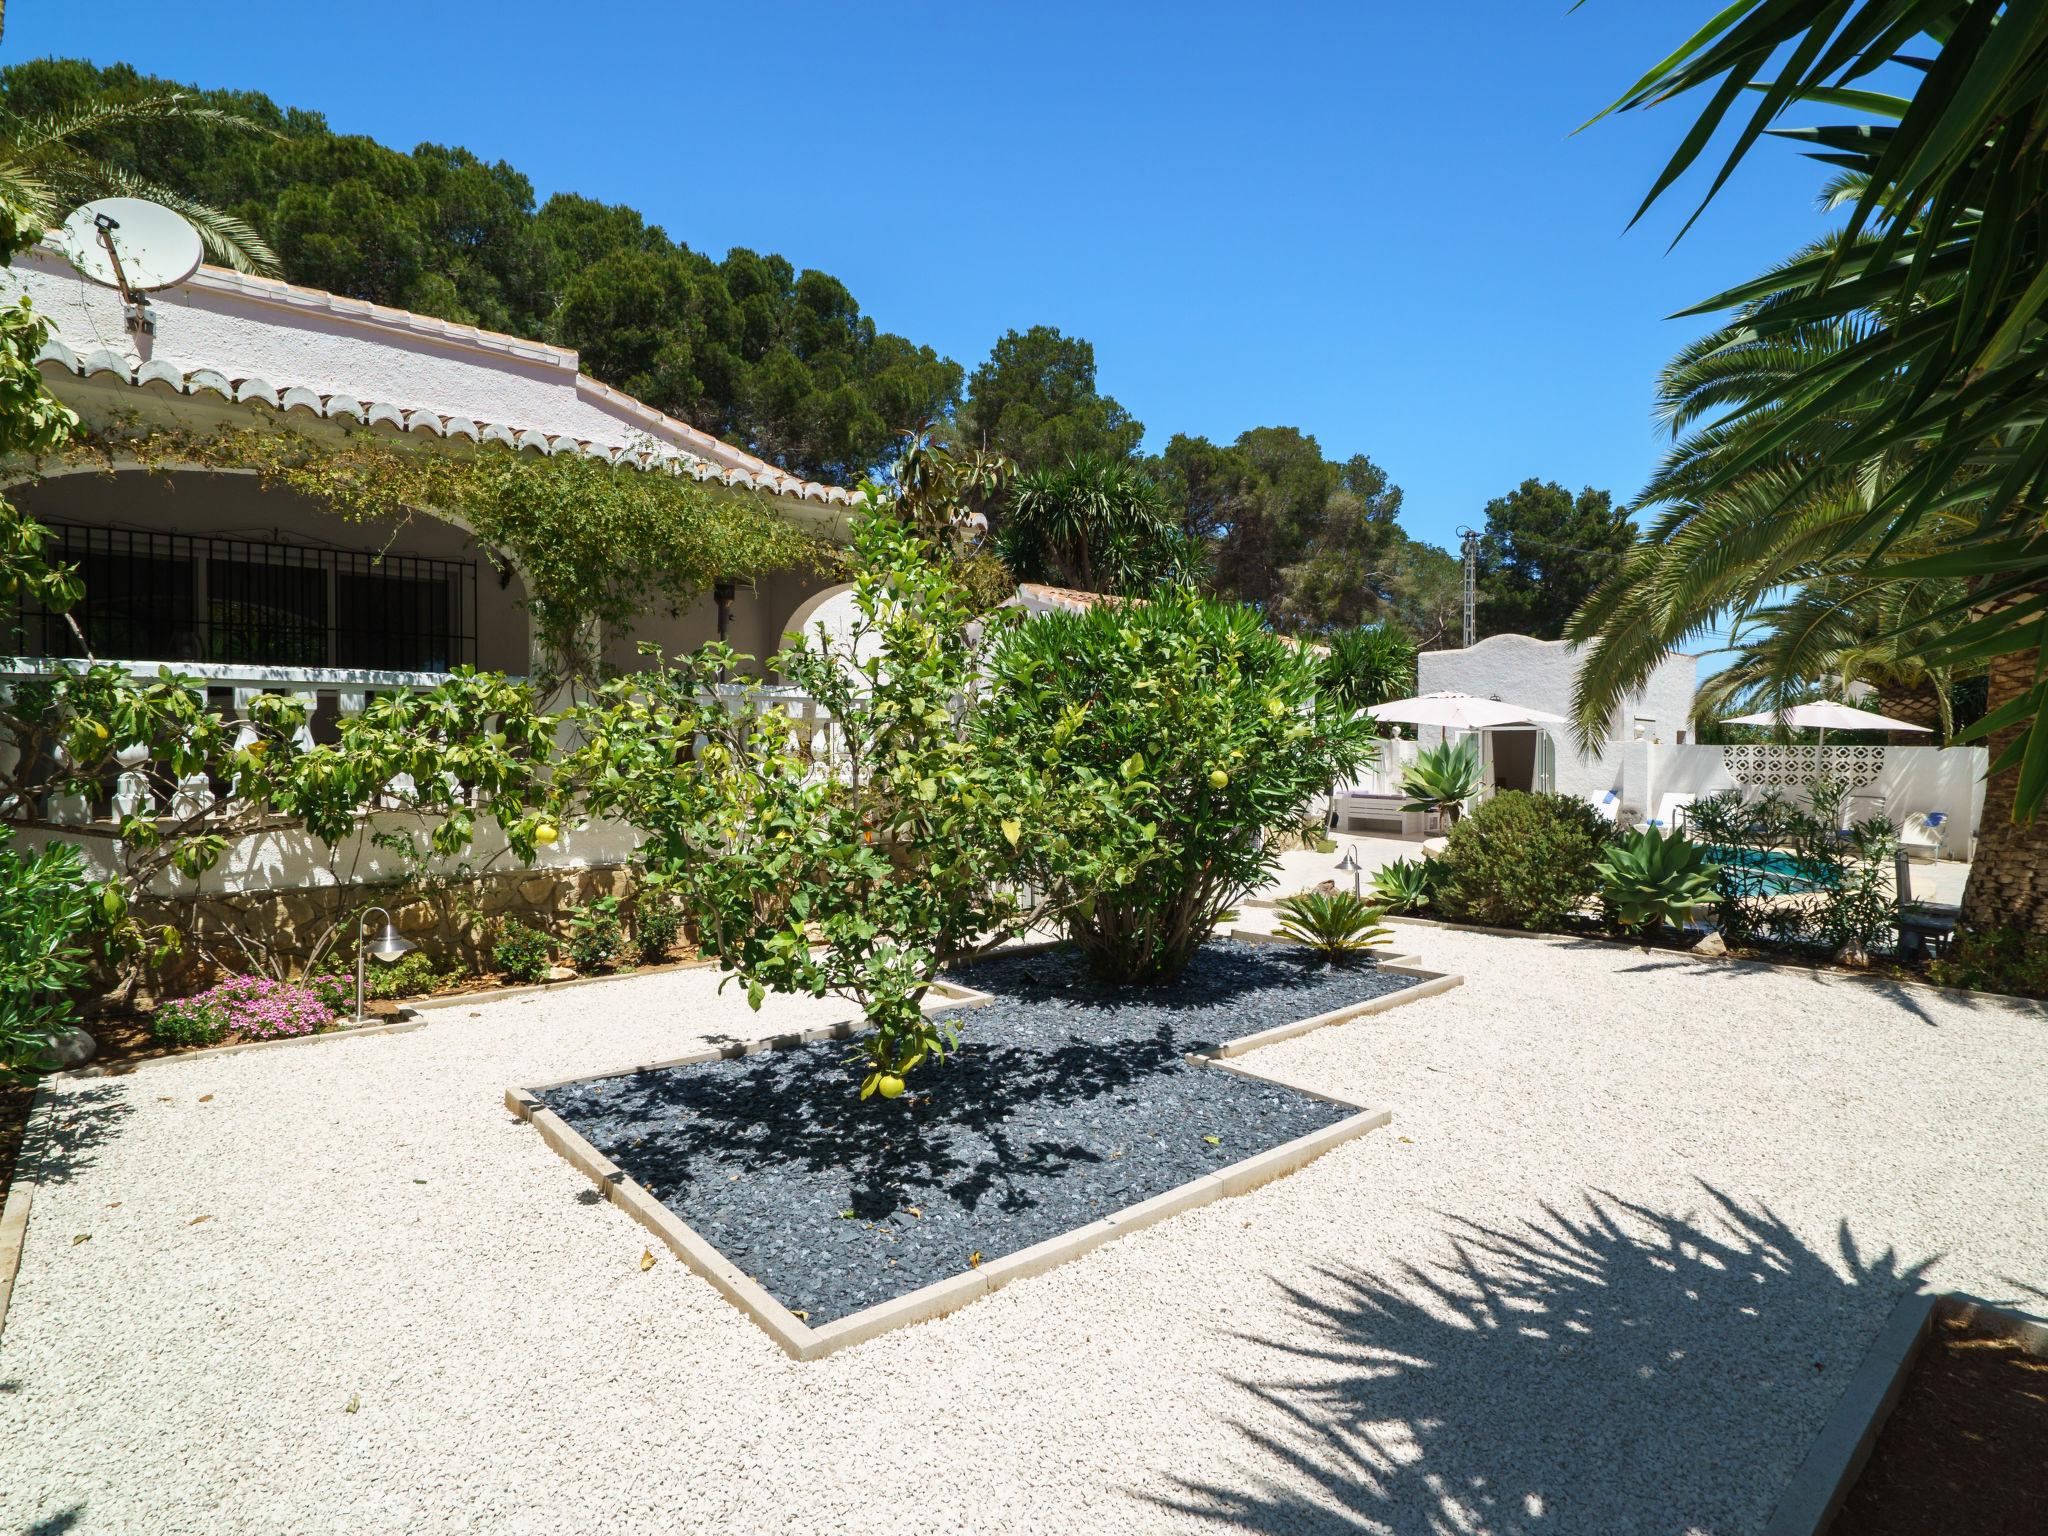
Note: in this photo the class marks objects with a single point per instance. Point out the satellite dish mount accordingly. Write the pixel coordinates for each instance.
(140, 321)
(134, 246)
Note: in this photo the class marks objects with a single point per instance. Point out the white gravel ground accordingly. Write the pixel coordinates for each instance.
(1629, 1234)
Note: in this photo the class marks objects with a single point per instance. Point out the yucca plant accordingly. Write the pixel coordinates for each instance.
(1442, 778)
(1335, 924)
(1649, 880)
(1402, 885)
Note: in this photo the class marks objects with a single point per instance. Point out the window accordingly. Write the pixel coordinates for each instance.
(176, 597)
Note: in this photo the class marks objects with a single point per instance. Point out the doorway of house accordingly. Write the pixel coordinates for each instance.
(1514, 759)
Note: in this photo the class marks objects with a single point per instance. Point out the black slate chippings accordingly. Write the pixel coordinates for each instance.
(1064, 1104)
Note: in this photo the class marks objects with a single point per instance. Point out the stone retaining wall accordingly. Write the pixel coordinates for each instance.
(456, 922)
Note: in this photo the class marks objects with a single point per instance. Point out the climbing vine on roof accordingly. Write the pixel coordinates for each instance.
(596, 544)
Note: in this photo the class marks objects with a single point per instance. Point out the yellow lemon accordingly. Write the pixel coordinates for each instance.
(99, 730)
(545, 833)
(1218, 779)
(890, 1087)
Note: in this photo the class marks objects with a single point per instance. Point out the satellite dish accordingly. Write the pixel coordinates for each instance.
(130, 244)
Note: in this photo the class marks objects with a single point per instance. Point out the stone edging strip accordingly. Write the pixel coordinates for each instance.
(399, 1023)
(1843, 1446)
(21, 1194)
(798, 1338)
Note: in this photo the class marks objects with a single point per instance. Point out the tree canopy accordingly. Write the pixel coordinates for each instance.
(1543, 553)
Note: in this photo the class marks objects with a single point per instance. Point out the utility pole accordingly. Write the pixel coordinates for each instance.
(1470, 536)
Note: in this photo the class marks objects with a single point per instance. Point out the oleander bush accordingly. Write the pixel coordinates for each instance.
(1522, 861)
(1791, 874)
(1192, 739)
(48, 912)
(523, 953)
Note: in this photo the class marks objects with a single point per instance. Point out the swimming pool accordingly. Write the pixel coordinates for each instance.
(1755, 872)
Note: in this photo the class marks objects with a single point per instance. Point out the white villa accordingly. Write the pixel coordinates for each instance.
(1649, 766)
(249, 584)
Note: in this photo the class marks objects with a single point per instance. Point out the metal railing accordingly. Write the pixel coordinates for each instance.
(204, 598)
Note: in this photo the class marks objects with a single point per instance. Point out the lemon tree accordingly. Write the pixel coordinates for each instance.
(858, 871)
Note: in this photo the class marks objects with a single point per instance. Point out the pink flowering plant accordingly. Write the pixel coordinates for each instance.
(249, 1007)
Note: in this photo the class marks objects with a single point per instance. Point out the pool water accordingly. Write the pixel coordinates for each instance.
(1757, 873)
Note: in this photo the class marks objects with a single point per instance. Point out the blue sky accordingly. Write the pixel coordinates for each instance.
(1366, 220)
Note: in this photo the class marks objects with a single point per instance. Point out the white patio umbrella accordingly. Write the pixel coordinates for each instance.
(1826, 717)
(1459, 712)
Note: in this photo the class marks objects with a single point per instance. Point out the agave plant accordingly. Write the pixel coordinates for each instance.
(1442, 778)
(1335, 924)
(1649, 880)
(1404, 884)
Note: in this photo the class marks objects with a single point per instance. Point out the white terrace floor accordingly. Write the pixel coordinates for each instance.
(1630, 1232)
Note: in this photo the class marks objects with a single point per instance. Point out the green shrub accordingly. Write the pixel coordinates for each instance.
(596, 934)
(657, 924)
(1792, 875)
(1369, 665)
(412, 976)
(336, 990)
(1403, 885)
(1522, 861)
(522, 953)
(1335, 924)
(200, 1020)
(47, 910)
(1190, 738)
(1649, 880)
(2006, 960)
(1442, 778)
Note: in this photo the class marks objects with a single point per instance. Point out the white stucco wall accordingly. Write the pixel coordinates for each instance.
(1539, 673)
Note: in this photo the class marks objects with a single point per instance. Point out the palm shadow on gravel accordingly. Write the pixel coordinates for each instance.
(1619, 1370)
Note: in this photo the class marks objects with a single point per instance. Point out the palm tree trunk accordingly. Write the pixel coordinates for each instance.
(1921, 705)
(2009, 881)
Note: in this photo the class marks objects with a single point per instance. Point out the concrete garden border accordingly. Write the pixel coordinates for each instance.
(1842, 1448)
(795, 1334)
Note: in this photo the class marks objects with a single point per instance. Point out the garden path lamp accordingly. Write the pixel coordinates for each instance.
(390, 946)
(1350, 862)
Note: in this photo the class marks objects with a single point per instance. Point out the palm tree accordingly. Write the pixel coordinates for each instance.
(1834, 634)
(1911, 386)
(1094, 523)
(47, 168)
(1369, 665)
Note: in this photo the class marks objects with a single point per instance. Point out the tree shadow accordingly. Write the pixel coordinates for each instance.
(78, 1124)
(1621, 1370)
(984, 1124)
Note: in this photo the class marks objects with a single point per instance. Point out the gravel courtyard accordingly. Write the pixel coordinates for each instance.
(1631, 1229)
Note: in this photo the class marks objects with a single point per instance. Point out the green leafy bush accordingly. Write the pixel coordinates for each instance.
(657, 924)
(1649, 881)
(414, 975)
(1793, 875)
(1403, 885)
(1187, 738)
(2006, 960)
(1369, 665)
(1442, 778)
(48, 908)
(186, 1021)
(596, 934)
(1522, 861)
(522, 953)
(1335, 924)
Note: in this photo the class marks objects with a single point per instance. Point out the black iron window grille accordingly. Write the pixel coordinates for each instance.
(201, 598)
